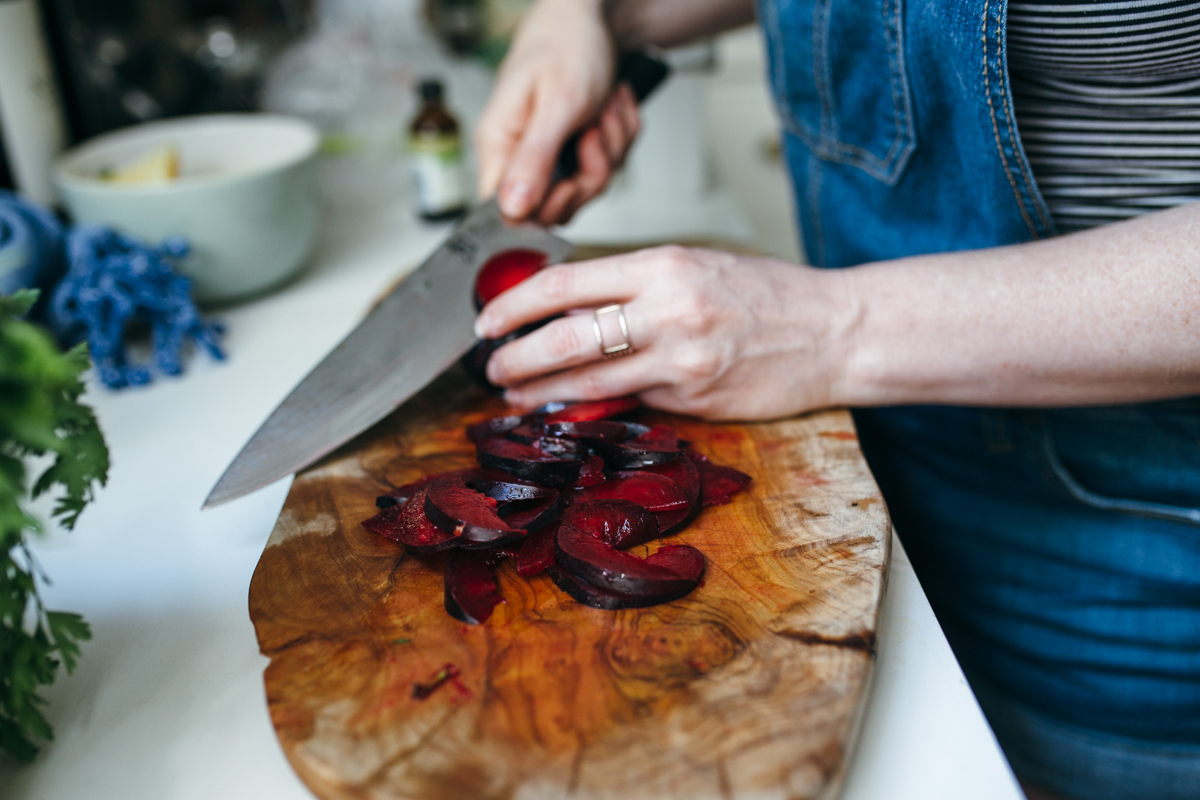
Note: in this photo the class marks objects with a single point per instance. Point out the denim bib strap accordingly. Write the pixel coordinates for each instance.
(899, 128)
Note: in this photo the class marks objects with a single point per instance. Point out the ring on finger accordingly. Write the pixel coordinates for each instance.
(619, 349)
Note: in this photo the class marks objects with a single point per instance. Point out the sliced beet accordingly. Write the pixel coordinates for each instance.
(537, 552)
(492, 556)
(607, 429)
(401, 493)
(583, 592)
(617, 523)
(471, 593)
(657, 493)
(525, 433)
(505, 488)
(717, 484)
(682, 559)
(600, 409)
(456, 508)
(475, 360)
(524, 461)
(407, 524)
(596, 562)
(591, 473)
(532, 515)
(560, 448)
(660, 437)
(496, 426)
(505, 270)
(628, 455)
(683, 472)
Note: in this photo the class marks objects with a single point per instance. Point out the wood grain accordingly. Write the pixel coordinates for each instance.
(750, 687)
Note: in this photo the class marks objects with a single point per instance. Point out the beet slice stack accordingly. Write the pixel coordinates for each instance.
(565, 490)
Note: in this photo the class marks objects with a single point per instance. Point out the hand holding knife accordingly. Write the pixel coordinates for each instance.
(422, 327)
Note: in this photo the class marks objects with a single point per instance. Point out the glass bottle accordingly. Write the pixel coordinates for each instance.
(435, 150)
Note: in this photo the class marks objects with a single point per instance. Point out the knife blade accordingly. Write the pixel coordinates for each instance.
(422, 327)
(393, 353)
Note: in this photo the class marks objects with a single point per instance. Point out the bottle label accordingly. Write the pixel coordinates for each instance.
(437, 170)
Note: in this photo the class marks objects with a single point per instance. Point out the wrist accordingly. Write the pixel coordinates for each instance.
(848, 352)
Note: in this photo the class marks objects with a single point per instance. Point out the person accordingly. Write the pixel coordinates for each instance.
(1023, 377)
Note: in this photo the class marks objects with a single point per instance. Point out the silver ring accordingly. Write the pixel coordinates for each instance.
(623, 348)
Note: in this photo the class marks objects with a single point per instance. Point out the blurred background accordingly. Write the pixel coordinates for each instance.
(708, 163)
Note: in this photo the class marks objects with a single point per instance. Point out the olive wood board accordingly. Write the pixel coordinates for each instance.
(752, 686)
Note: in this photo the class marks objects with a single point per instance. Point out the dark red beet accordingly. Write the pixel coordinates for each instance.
(492, 556)
(617, 523)
(525, 433)
(533, 515)
(583, 592)
(683, 472)
(601, 409)
(717, 484)
(496, 426)
(505, 270)
(408, 525)
(401, 493)
(560, 448)
(537, 552)
(628, 455)
(476, 359)
(471, 594)
(682, 559)
(504, 488)
(660, 437)
(455, 508)
(526, 462)
(608, 429)
(591, 473)
(596, 562)
(656, 493)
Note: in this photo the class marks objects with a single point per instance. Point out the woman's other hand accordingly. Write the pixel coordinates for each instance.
(557, 79)
(715, 335)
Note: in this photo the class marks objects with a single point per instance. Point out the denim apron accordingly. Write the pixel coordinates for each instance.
(1060, 549)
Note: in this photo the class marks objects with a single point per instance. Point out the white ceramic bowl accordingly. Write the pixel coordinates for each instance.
(246, 198)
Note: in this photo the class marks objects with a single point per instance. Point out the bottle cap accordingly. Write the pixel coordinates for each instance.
(431, 90)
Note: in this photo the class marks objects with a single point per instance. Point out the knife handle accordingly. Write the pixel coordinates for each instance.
(643, 72)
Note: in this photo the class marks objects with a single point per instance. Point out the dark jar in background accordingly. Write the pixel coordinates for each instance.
(435, 152)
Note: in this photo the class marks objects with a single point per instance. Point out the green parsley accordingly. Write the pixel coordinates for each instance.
(40, 414)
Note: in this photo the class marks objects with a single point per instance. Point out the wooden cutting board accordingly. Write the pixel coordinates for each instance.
(750, 687)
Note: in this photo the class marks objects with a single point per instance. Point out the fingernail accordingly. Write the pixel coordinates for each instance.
(516, 199)
(480, 329)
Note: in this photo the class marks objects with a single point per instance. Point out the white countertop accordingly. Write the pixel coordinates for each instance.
(168, 700)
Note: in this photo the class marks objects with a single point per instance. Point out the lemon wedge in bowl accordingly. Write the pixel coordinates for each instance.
(158, 166)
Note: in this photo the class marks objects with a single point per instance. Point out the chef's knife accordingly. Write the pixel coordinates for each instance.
(422, 327)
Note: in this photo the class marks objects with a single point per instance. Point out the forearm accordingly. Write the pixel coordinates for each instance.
(669, 23)
(1107, 316)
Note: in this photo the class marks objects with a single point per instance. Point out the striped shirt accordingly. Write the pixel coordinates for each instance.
(1107, 99)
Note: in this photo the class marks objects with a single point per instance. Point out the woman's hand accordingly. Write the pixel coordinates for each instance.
(556, 80)
(715, 335)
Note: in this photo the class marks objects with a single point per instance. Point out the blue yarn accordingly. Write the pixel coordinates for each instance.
(113, 280)
(30, 245)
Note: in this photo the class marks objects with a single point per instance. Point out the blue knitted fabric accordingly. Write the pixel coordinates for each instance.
(30, 245)
(113, 280)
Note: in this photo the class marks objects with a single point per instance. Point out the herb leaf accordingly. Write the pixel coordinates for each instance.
(40, 414)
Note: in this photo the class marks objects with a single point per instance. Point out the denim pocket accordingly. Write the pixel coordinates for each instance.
(1142, 460)
(838, 73)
